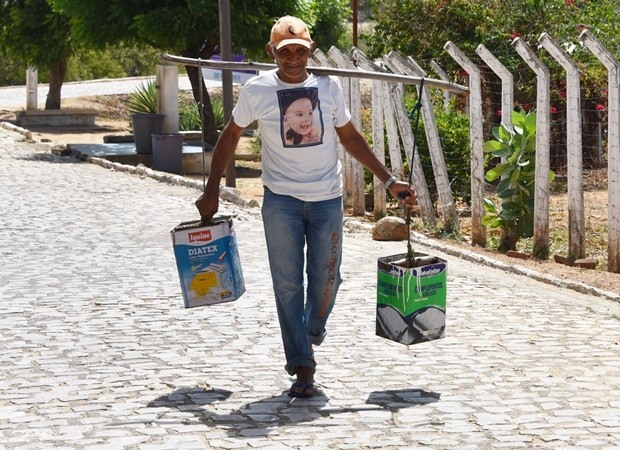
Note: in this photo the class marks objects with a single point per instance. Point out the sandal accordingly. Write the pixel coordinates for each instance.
(299, 389)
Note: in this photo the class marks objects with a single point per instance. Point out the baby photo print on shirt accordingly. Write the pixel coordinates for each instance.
(301, 124)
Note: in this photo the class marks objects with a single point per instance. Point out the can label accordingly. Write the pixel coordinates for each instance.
(411, 302)
(208, 262)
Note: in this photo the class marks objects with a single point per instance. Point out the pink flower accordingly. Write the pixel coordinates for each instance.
(562, 94)
(499, 112)
(600, 107)
(553, 110)
(570, 2)
(515, 35)
(527, 107)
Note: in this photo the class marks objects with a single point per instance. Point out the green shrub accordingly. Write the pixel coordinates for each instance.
(189, 114)
(93, 65)
(218, 112)
(11, 74)
(144, 101)
(116, 61)
(453, 129)
(515, 150)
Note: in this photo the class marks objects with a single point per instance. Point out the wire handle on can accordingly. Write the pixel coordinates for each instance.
(402, 195)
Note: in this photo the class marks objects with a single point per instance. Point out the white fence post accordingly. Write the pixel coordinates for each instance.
(576, 217)
(321, 59)
(397, 109)
(476, 135)
(507, 83)
(447, 95)
(167, 76)
(613, 147)
(543, 132)
(378, 147)
(410, 67)
(32, 79)
(355, 168)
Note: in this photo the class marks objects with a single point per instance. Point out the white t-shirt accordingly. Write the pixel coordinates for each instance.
(297, 128)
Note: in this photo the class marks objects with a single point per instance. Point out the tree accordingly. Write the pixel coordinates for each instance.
(34, 35)
(188, 28)
(420, 29)
(329, 27)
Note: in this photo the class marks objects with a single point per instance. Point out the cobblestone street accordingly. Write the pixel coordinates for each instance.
(97, 351)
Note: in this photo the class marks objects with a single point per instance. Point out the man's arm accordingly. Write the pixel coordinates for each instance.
(224, 151)
(355, 144)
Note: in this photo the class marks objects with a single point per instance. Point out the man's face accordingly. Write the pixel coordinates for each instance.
(291, 60)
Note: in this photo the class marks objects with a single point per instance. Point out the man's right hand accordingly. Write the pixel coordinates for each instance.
(207, 204)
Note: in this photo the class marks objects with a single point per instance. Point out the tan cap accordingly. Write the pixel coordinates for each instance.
(290, 30)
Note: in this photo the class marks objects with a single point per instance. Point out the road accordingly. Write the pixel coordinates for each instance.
(15, 96)
(97, 352)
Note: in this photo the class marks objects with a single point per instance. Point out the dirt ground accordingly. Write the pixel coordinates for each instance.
(249, 185)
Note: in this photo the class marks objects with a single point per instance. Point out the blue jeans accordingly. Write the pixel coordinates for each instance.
(290, 226)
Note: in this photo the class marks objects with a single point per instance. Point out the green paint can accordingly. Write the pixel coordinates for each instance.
(411, 301)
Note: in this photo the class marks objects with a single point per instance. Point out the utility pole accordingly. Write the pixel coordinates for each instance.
(227, 91)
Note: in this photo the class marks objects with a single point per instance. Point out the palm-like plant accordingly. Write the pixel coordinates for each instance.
(144, 99)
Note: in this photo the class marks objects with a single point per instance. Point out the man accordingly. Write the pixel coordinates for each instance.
(302, 205)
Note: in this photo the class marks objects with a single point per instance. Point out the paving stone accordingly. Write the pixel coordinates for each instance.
(98, 351)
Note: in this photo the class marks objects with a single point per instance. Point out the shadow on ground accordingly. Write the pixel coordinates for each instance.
(260, 418)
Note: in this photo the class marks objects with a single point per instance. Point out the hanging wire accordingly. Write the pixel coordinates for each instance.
(415, 110)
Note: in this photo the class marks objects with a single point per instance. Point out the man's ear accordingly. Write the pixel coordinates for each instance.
(269, 50)
(312, 48)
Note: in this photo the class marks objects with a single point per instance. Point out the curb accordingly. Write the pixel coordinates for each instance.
(232, 195)
(226, 193)
(515, 268)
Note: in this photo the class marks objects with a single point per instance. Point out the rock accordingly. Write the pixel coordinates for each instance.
(516, 254)
(562, 260)
(390, 229)
(586, 263)
(231, 195)
(61, 150)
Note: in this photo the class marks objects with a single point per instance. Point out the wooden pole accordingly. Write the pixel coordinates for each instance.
(448, 208)
(457, 88)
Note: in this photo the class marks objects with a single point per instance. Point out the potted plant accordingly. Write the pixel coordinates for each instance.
(145, 120)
